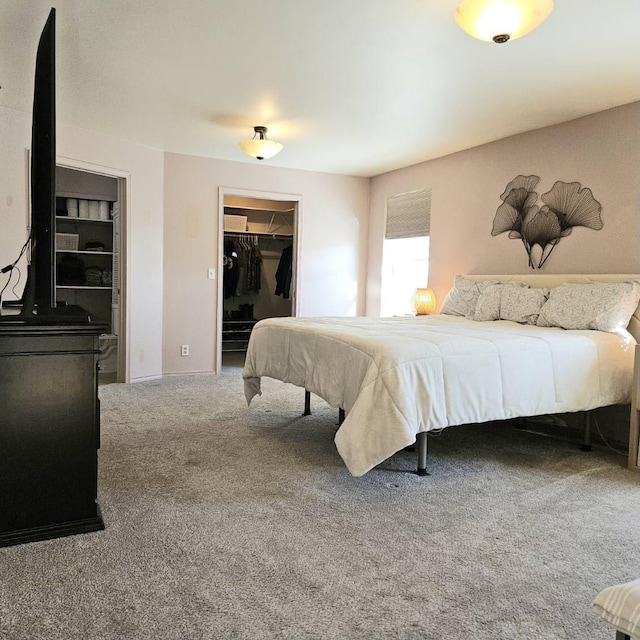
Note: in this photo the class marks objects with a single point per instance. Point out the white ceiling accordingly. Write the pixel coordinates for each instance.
(357, 87)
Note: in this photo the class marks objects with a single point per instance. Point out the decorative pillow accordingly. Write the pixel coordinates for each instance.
(489, 301)
(488, 305)
(604, 306)
(462, 299)
(522, 305)
(620, 607)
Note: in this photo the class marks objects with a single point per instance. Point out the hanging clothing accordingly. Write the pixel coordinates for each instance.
(242, 266)
(254, 269)
(230, 266)
(284, 273)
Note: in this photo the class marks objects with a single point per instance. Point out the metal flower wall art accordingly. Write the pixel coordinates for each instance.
(566, 205)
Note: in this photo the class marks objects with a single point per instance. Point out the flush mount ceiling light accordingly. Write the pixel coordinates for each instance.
(501, 20)
(260, 147)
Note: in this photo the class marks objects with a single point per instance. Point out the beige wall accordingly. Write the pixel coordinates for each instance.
(144, 167)
(333, 245)
(172, 236)
(15, 137)
(601, 151)
(173, 218)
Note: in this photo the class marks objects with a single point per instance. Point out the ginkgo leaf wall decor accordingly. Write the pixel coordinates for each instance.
(566, 205)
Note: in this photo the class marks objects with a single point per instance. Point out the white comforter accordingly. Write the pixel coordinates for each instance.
(396, 377)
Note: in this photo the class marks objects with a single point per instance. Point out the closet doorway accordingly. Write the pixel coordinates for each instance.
(258, 266)
(90, 254)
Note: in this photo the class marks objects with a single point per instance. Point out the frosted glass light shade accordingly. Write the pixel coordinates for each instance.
(260, 147)
(501, 20)
(424, 301)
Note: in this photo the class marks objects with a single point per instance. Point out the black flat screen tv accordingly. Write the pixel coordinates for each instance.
(39, 291)
(38, 302)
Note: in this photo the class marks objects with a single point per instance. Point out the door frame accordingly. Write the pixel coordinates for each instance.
(124, 197)
(296, 198)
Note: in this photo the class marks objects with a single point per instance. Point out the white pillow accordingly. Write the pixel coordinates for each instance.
(489, 301)
(462, 299)
(522, 305)
(604, 306)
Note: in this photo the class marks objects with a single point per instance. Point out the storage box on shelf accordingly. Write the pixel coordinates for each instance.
(235, 223)
(84, 208)
(67, 241)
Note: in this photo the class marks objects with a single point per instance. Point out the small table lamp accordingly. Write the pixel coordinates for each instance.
(424, 301)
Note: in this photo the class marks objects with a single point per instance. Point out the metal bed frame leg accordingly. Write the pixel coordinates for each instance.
(307, 403)
(422, 454)
(586, 432)
(421, 439)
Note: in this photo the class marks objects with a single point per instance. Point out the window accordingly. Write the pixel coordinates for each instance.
(405, 256)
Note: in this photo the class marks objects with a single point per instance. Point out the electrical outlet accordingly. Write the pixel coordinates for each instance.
(184, 350)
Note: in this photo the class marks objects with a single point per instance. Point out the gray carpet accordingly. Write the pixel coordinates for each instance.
(228, 522)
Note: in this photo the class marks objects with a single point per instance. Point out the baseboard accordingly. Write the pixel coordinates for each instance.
(178, 374)
(146, 378)
(173, 375)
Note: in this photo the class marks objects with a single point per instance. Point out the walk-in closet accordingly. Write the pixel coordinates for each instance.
(257, 269)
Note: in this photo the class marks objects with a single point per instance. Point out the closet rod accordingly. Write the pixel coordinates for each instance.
(245, 234)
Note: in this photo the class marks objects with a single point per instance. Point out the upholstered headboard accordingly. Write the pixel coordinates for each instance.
(555, 279)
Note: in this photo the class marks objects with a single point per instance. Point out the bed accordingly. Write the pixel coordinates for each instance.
(399, 378)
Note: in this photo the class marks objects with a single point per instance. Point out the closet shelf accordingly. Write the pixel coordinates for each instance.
(86, 252)
(82, 219)
(83, 286)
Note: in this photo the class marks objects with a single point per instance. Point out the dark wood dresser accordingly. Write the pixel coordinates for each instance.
(49, 428)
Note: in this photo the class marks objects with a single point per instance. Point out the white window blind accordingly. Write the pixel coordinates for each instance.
(408, 214)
